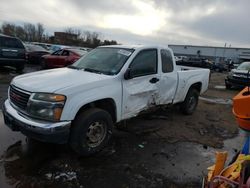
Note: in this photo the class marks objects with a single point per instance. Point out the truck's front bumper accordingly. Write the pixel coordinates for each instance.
(54, 132)
(239, 82)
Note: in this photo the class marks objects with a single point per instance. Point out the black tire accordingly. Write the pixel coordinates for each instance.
(246, 172)
(228, 86)
(43, 64)
(83, 125)
(19, 68)
(191, 101)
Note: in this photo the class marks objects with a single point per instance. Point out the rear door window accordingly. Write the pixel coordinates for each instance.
(8, 42)
(167, 61)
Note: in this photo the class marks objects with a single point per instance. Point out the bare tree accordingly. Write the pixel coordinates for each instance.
(88, 38)
(20, 33)
(8, 29)
(95, 39)
(39, 32)
(107, 42)
(69, 30)
(30, 30)
(74, 31)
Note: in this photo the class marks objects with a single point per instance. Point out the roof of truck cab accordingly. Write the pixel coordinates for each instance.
(134, 46)
(2, 35)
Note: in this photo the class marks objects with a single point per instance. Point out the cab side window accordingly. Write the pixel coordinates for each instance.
(58, 52)
(65, 53)
(167, 61)
(145, 63)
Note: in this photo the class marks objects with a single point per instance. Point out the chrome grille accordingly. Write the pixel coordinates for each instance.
(18, 97)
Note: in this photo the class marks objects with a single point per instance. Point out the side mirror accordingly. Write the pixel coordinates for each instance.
(127, 74)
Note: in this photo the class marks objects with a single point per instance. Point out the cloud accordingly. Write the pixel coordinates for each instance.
(231, 25)
(198, 22)
(145, 21)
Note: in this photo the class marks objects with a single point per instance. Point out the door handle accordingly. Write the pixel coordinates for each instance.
(154, 80)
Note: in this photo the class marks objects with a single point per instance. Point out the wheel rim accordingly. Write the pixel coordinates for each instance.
(191, 103)
(96, 134)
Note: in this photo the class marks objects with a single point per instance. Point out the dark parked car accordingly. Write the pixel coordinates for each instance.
(55, 47)
(12, 52)
(239, 77)
(195, 62)
(219, 67)
(34, 53)
(44, 45)
(62, 58)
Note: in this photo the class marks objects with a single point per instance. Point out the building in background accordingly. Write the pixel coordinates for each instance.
(64, 38)
(216, 54)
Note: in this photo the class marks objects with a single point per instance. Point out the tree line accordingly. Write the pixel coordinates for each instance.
(29, 32)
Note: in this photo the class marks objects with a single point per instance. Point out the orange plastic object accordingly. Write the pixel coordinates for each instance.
(221, 158)
(216, 169)
(241, 109)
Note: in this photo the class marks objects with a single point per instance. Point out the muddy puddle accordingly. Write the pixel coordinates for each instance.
(220, 87)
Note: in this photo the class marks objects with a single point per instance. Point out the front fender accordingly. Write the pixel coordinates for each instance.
(81, 98)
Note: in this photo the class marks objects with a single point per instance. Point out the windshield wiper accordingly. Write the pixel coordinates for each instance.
(74, 67)
(92, 70)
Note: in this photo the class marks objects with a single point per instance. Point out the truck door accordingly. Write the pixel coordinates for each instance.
(141, 90)
(169, 79)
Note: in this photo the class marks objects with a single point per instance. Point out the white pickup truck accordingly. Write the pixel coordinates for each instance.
(80, 104)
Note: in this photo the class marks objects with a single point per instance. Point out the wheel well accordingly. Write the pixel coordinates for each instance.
(105, 104)
(196, 86)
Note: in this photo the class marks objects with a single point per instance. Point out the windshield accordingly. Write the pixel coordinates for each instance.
(244, 66)
(34, 48)
(79, 51)
(104, 60)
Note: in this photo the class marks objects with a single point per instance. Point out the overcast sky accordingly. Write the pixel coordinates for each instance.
(195, 22)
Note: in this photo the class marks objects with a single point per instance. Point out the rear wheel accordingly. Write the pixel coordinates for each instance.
(43, 64)
(19, 68)
(228, 86)
(91, 131)
(191, 101)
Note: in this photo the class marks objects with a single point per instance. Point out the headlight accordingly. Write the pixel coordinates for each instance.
(230, 74)
(48, 97)
(46, 106)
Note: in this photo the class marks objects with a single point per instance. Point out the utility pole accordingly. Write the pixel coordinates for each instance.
(224, 49)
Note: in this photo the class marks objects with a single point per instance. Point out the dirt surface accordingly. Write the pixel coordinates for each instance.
(160, 149)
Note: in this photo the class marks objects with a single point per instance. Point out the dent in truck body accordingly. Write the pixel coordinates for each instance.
(139, 98)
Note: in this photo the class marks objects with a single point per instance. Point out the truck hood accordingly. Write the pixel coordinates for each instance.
(50, 81)
(239, 71)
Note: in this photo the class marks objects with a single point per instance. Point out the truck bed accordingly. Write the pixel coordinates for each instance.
(186, 77)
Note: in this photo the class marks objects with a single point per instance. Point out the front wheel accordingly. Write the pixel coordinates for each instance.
(191, 101)
(19, 68)
(91, 131)
(43, 64)
(228, 86)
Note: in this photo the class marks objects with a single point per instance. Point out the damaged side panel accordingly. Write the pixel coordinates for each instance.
(138, 95)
